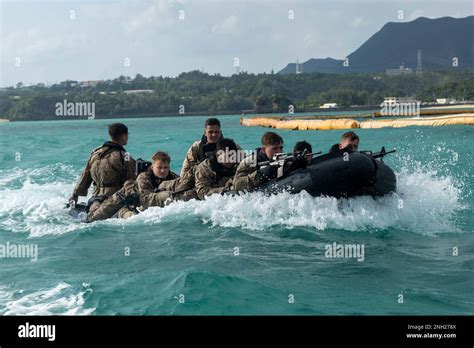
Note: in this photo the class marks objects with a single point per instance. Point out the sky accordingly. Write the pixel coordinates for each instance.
(52, 41)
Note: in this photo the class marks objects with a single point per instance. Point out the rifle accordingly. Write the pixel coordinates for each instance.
(131, 201)
(279, 160)
(381, 154)
(174, 193)
(286, 156)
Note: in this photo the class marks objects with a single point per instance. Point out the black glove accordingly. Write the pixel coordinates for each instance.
(73, 200)
(132, 200)
(267, 173)
(300, 162)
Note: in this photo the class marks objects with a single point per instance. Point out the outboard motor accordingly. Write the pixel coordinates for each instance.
(141, 166)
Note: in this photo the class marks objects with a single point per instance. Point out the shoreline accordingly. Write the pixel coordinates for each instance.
(238, 113)
(450, 106)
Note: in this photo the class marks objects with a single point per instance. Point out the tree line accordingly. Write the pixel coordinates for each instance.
(198, 92)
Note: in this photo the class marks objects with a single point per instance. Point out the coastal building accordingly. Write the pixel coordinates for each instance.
(400, 71)
(329, 106)
(90, 83)
(395, 106)
(396, 100)
(138, 91)
(446, 101)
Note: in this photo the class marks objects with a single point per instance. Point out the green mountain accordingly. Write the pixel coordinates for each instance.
(440, 41)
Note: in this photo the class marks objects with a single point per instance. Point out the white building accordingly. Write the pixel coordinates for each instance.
(90, 83)
(328, 106)
(400, 71)
(138, 91)
(392, 101)
(446, 101)
(394, 106)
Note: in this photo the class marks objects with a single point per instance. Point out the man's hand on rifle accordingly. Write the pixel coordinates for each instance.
(132, 200)
(268, 172)
(228, 186)
(300, 161)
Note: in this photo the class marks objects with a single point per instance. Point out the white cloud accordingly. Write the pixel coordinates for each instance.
(356, 22)
(309, 40)
(150, 32)
(160, 13)
(29, 44)
(228, 26)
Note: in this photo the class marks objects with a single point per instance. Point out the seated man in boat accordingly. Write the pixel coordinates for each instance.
(200, 149)
(155, 187)
(349, 140)
(255, 170)
(249, 174)
(215, 174)
(115, 205)
(159, 177)
(108, 168)
(303, 146)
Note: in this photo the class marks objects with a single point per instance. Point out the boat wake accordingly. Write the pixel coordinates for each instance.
(426, 203)
(423, 203)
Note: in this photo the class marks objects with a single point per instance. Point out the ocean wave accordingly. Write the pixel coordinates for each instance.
(426, 202)
(229, 294)
(37, 209)
(62, 299)
(54, 173)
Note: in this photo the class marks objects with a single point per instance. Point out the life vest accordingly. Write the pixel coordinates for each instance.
(261, 157)
(220, 170)
(107, 148)
(334, 148)
(155, 181)
(206, 149)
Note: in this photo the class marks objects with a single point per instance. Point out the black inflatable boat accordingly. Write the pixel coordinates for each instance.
(342, 173)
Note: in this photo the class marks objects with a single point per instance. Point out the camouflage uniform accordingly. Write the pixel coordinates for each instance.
(113, 205)
(147, 183)
(108, 167)
(196, 154)
(153, 193)
(209, 181)
(193, 157)
(246, 177)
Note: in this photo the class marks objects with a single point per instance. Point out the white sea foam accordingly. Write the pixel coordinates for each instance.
(423, 204)
(429, 204)
(62, 299)
(37, 209)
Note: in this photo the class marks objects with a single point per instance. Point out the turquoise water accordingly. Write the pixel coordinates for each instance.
(183, 258)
